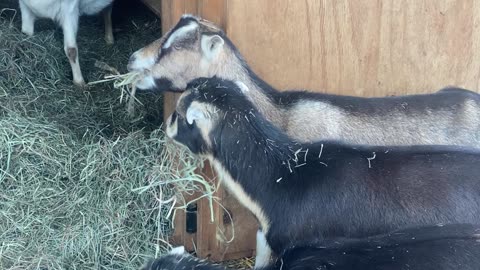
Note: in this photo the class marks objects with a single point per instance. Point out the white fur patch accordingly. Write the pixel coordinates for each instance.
(172, 128)
(195, 113)
(263, 251)
(182, 31)
(238, 191)
(177, 250)
(185, 16)
(243, 87)
(201, 113)
(147, 82)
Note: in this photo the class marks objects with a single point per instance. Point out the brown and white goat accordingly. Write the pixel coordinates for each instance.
(67, 13)
(196, 48)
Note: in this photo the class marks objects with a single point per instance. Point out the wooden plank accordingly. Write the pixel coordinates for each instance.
(352, 47)
(171, 11)
(155, 6)
(360, 47)
(210, 239)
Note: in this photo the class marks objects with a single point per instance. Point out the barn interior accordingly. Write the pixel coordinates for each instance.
(86, 184)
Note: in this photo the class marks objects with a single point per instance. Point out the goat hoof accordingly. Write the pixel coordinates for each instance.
(27, 32)
(81, 85)
(109, 40)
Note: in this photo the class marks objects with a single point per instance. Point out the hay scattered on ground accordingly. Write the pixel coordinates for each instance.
(82, 185)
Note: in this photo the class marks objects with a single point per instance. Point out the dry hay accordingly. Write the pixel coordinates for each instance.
(82, 186)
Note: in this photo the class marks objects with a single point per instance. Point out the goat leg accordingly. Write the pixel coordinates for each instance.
(70, 27)
(107, 17)
(28, 19)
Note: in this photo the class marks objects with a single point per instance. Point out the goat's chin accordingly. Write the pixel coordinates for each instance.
(146, 83)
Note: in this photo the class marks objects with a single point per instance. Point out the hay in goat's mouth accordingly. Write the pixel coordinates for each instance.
(125, 82)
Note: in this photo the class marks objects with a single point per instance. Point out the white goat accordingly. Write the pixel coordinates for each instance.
(67, 13)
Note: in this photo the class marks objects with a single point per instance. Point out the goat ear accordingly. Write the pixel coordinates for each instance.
(211, 46)
(177, 250)
(194, 113)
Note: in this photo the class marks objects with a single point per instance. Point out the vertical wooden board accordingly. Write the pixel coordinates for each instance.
(359, 47)
(213, 10)
(211, 238)
(154, 5)
(236, 232)
(171, 11)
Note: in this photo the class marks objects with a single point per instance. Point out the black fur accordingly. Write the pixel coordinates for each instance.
(181, 262)
(349, 191)
(428, 248)
(444, 98)
(164, 84)
(424, 248)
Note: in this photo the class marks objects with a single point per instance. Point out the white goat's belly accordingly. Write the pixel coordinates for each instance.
(55, 9)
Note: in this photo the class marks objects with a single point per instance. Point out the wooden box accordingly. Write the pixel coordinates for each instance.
(351, 47)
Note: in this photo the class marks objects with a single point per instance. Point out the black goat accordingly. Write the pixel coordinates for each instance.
(447, 247)
(304, 193)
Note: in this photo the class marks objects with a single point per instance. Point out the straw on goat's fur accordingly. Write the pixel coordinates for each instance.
(82, 186)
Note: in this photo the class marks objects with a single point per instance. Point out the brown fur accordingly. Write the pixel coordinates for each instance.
(72, 54)
(317, 118)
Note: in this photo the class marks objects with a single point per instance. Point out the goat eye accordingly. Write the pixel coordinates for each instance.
(177, 47)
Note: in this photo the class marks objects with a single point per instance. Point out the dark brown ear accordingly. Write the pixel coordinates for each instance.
(211, 45)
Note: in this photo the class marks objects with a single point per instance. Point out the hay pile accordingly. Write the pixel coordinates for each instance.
(82, 186)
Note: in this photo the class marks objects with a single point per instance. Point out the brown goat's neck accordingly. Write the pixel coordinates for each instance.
(234, 68)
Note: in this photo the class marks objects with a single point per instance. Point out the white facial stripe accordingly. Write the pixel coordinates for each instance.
(243, 197)
(172, 128)
(182, 31)
(184, 16)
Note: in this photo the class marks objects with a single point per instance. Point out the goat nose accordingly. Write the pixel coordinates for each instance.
(131, 60)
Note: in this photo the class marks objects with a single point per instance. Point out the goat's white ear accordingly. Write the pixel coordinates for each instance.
(195, 114)
(211, 46)
(177, 250)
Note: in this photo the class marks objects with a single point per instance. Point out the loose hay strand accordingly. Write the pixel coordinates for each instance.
(125, 82)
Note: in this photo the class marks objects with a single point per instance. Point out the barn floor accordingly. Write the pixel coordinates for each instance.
(134, 26)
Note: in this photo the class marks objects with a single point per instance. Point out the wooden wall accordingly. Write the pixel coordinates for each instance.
(351, 47)
(360, 47)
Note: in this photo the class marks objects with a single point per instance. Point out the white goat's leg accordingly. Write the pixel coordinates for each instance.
(263, 253)
(107, 17)
(28, 19)
(70, 27)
